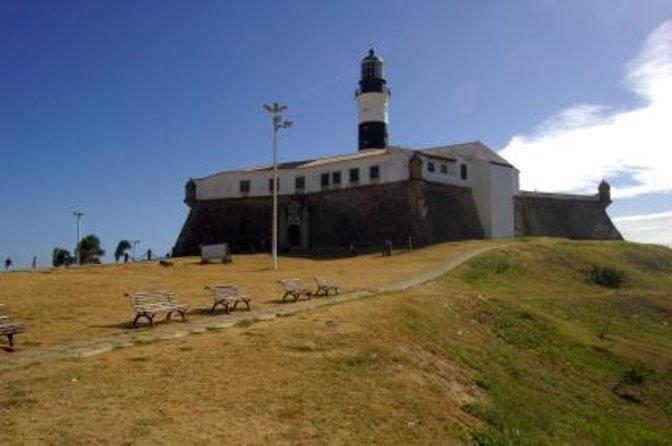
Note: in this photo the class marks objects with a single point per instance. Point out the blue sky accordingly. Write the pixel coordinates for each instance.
(109, 107)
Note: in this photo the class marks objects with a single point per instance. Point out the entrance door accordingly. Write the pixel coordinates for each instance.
(294, 235)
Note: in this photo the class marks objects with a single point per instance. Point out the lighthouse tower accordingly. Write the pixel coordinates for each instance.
(373, 99)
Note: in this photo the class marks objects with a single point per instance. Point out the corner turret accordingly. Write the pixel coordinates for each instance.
(604, 191)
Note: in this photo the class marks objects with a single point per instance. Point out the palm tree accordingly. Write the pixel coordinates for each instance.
(60, 257)
(90, 250)
(122, 247)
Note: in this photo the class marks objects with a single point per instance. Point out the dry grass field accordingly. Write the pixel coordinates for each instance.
(514, 347)
(61, 305)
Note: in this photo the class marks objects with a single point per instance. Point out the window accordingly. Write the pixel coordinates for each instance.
(430, 166)
(324, 180)
(299, 183)
(374, 172)
(354, 176)
(463, 171)
(244, 186)
(270, 184)
(336, 178)
(444, 168)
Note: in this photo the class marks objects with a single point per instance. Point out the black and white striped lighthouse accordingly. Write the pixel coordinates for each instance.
(373, 99)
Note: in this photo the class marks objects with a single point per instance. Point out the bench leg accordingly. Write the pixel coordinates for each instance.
(246, 302)
(224, 303)
(287, 294)
(10, 340)
(183, 315)
(147, 316)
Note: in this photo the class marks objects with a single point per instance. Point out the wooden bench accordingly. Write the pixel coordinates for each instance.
(147, 303)
(9, 327)
(294, 288)
(226, 295)
(324, 286)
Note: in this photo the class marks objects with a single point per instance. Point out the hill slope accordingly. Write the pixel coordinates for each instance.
(518, 346)
(560, 358)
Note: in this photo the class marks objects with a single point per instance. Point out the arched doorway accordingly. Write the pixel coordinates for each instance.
(294, 235)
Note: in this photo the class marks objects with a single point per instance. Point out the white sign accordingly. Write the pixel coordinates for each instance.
(214, 252)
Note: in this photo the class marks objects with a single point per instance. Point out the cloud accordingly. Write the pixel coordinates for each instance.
(648, 228)
(573, 150)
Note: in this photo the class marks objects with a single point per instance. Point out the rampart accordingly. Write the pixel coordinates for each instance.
(560, 215)
(366, 215)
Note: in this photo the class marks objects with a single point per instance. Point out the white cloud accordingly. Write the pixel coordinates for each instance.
(649, 228)
(573, 150)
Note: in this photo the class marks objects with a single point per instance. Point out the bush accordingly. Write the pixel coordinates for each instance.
(606, 276)
(638, 373)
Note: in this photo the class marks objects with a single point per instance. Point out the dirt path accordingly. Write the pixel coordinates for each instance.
(95, 346)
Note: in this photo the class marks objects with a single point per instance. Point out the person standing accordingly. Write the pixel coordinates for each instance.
(8, 263)
(34, 265)
(388, 247)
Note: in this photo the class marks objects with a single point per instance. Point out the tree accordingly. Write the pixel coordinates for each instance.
(122, 247)
(60, 257)
(90, 250)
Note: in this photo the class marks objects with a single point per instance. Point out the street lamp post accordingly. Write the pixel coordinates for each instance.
(276, 109)
(78, 255)
(135, 242)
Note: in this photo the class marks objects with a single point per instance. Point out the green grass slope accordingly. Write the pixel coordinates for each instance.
(562, 355)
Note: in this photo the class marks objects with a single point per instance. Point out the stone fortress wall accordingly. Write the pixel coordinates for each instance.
(582, 217)
(329, 221)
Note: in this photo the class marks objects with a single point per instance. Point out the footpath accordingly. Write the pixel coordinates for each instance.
(99, 345)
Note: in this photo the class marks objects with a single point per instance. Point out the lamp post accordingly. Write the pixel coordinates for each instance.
(276, 109)
(135, 242)
(79, 216)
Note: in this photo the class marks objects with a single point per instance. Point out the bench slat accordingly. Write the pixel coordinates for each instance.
(226, 295)
(147, 303)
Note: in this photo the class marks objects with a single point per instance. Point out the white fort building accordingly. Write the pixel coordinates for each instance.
(383, 192)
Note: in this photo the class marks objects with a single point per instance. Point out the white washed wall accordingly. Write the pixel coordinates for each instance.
(503, 182)
(393, 167)
(451, 177)
(479, 173)
(493, 190)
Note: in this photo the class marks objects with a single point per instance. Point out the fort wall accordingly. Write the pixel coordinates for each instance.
(570, 216)
(368, 215)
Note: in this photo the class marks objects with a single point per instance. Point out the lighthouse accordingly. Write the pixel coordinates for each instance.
(373, 99)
